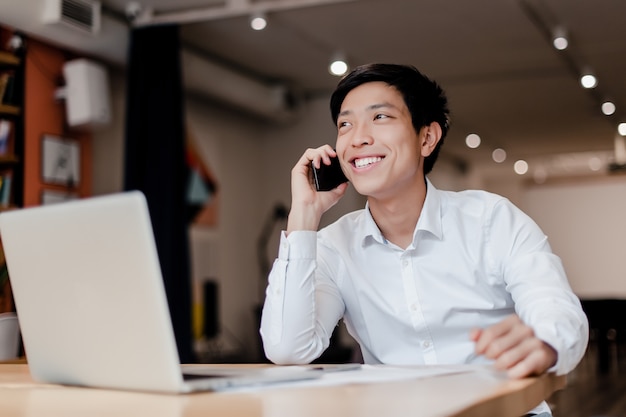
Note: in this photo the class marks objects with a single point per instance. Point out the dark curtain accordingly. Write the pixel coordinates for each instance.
(155, 161)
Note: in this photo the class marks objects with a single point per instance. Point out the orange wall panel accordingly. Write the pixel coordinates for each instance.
(46, 115)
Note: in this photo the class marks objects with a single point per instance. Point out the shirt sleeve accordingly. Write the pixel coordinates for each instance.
(302, 304)
(537, 282)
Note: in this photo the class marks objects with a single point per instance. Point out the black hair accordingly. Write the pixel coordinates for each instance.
(424, 98)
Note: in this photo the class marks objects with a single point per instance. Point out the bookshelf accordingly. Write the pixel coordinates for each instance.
(11, 150)
(11, 138)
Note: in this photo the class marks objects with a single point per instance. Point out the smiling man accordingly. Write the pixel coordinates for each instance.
(421, 275)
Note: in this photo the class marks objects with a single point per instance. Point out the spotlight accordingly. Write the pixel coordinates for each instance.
(338, 65)
(472, 141)
(559, 40)
(15, 43)
(608, 108)
(498, 155)
(595, 163)
(258, 21)
(520, 167)
(588, 80)
(621, 129)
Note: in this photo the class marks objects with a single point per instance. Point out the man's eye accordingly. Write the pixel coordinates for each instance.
(380, 116)
(343, 124)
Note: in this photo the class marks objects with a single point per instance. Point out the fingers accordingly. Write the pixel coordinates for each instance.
(475, 334)
(513, 347)
(531, 357)
(300, 171)
(308, 205)
(318, 156)
(502, 336)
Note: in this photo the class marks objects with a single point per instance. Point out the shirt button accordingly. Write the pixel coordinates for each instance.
(405, 263)
(277, 292)
(426, 343)
(413, 307)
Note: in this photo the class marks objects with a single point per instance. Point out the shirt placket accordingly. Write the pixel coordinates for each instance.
(415, 311)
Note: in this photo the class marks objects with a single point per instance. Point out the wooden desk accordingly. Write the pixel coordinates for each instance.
(458, 395)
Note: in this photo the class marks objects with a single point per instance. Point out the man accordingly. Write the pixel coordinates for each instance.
(420, 276)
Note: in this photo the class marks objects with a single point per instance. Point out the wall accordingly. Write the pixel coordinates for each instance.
(108, 142)
(585, 222)
(44, 115)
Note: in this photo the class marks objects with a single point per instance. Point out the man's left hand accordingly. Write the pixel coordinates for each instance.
(514, 348)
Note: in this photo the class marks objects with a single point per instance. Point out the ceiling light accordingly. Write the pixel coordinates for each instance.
(608, 108)
(498, 155)
(621, 128)
(595, 163)
(258, 21)
(588, 80)
(520, 167)
(338, 65)
(472, 141)
(559, 40)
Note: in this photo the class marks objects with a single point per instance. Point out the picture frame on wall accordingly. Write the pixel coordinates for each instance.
(54, 196)
(60, 161)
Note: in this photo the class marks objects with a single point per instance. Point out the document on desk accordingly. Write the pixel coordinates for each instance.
(368, 374)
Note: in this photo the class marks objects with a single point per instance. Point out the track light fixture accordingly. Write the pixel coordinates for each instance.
(498, 155)
(258, 21)
(338, 64)
(608, 108)
(472, 141)
(588, 80)
(559, 39)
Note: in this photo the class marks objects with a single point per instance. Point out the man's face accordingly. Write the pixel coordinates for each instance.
(377, 145)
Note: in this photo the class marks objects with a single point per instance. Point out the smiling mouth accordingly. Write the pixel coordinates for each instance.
(364, 162)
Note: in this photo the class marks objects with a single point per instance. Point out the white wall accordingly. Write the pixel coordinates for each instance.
(585, 221)
(108, 142)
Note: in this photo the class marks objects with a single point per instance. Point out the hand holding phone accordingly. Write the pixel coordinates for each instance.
(328, 177)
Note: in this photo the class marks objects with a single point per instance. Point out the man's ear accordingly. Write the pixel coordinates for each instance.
(431, 135)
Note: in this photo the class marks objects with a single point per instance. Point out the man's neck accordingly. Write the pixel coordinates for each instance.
(396, 217)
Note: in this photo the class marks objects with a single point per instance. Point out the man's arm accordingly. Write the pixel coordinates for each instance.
(302, 304)
(550, 330)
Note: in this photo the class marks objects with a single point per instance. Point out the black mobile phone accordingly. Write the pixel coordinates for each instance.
(328, 177)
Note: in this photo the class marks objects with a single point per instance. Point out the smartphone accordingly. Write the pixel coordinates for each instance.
(328, 177)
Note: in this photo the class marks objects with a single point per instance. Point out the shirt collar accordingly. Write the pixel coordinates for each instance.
(429, 220)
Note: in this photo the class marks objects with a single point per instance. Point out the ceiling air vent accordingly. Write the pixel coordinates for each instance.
(78, 14)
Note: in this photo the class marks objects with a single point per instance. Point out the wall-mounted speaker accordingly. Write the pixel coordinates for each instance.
(86, 93)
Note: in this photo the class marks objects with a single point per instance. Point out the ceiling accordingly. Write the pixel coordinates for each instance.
(504, 79)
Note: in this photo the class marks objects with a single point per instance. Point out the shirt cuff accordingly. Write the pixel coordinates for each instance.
(563, 362)
(300, 244)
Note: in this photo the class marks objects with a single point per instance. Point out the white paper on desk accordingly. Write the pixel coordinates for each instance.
(368, 374)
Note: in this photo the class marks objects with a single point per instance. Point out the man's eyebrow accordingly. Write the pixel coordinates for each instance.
(381, 106)
(370, 107)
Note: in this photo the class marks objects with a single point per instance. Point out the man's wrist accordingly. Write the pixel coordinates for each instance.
(305, 218)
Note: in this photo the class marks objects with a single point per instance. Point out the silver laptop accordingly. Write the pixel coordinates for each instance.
(91, 301)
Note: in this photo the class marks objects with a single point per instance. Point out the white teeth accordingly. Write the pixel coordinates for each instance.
(360, 163)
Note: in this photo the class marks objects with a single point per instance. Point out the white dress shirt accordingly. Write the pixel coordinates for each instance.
(475, 259)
